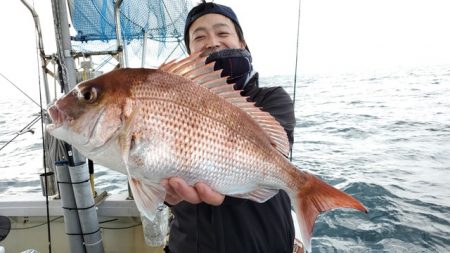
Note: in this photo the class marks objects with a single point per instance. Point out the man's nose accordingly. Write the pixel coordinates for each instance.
(213, 42)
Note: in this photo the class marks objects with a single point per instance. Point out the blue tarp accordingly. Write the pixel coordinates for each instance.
(162, 20)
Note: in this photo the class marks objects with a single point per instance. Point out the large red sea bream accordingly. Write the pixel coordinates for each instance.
(184, 120)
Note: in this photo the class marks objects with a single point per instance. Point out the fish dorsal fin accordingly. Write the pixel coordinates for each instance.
(194, 61)
(195, 69)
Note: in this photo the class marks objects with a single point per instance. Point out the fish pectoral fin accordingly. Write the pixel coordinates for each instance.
(129, 118)
(260, 195)
(147, 195)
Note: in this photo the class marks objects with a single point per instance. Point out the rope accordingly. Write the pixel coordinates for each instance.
(90, 233)
(36, 103)
(84, 181)
(93, 244)
(119, 228)
(78, 208)
(35, 226)
(296, 64)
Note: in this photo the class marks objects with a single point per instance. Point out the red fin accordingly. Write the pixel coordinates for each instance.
(194, 69)
(315, 197)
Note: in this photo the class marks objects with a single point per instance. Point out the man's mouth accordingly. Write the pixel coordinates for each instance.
(209, 51)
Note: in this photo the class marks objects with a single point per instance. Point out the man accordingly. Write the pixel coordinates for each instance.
(207, 221)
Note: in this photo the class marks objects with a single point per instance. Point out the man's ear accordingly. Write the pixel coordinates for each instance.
(243, 43)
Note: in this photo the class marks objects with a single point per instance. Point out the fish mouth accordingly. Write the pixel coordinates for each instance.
(57, 117)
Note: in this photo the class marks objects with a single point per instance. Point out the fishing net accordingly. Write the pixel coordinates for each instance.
(157, 23)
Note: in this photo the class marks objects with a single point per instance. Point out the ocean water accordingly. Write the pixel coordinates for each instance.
(383, 137)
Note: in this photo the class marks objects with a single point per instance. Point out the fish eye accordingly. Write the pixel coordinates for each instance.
(89, 95)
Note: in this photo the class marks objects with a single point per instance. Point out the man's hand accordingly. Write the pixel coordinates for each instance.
(178, 190)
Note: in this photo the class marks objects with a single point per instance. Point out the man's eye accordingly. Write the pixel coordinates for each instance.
(199, 37)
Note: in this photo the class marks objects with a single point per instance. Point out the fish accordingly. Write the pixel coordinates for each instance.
(183, 119)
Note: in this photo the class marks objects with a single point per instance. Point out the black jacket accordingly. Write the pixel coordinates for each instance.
(240, 225)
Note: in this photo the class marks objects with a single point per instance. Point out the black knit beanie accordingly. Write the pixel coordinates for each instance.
(208, 8)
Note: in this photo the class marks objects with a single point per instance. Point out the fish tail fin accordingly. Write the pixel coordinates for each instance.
(315, 197)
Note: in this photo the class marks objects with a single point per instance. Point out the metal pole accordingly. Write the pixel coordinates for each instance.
(120, 45)
(144, 49)
(37, 24)
(77, 163)
(122, 53)
(63, 44)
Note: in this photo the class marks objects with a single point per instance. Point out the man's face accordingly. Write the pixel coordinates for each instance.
(213, 32)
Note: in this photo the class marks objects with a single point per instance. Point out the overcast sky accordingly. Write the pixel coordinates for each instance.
(346, 35)
(335, 36)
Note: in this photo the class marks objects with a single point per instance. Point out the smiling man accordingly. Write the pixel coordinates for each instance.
(207, 221)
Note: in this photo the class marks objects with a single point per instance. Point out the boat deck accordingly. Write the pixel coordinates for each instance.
(111, 205)
(118, 217)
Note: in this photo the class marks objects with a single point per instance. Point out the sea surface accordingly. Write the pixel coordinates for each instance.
(383, 137)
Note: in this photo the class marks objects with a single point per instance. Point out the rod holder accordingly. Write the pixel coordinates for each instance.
(48, 184)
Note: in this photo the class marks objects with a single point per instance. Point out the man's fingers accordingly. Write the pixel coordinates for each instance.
(171, 196)
(172, 200)
(177, 190)
(184, 190)
(208, 195)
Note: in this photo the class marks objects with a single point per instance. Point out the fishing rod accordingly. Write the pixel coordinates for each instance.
(296, 49)
(41, 55)
(26, 129)
(9, 81)
(296, 64)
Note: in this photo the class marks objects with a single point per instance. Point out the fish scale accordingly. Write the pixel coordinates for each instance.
(182, 131)
(155, 124)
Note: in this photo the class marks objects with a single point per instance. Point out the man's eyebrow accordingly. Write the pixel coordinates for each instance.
(218, 25)
(198, 29)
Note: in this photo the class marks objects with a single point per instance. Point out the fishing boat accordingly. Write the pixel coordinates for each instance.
(92, 37)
